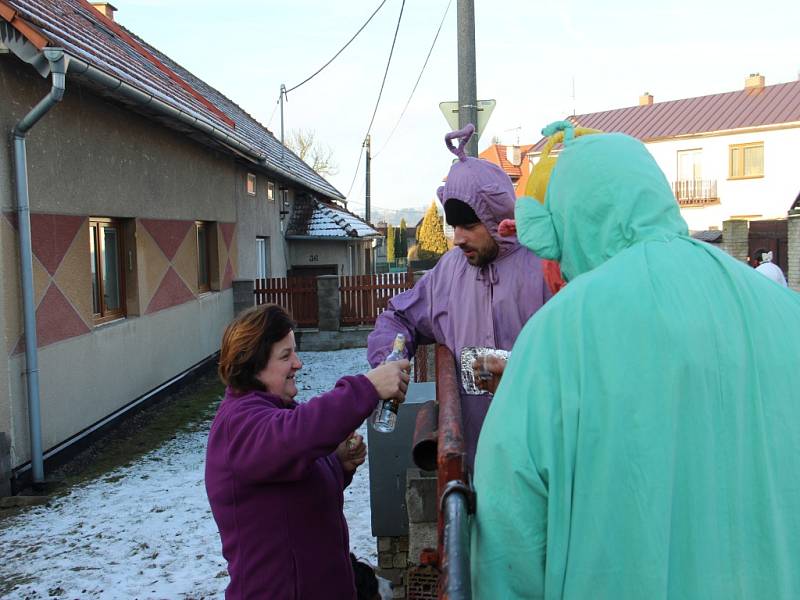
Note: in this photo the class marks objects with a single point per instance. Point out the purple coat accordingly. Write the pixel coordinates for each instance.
(461, 305)
(275, 489)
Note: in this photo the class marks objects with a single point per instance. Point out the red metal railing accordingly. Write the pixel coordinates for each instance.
(298, 295)
(364, 297)
(453, 493)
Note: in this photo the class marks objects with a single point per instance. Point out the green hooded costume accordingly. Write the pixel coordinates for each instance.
(645, 439)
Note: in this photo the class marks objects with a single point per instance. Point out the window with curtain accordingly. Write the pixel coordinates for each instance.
(107, 267)
(746, 160)
(262, 258)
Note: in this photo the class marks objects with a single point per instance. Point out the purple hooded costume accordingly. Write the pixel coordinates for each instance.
(461, 305)
(275, 488)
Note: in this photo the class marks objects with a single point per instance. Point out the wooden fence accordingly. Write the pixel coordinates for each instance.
(298, 295)
(364, 297)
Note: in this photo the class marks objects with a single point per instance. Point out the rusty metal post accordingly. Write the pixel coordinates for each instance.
(424, 443)
(453, 492)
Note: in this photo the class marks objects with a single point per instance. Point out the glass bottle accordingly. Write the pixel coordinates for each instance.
(385, 416)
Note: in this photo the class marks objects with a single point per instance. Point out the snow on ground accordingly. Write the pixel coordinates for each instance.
(145, 531)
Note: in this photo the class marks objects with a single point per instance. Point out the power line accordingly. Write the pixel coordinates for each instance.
(380, 93)
(318, 71)
(272, 116)
(425, 64)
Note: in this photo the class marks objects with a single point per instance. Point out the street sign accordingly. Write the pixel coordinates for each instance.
(485, 108)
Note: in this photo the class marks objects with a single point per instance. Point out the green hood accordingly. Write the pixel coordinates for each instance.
(606, 194)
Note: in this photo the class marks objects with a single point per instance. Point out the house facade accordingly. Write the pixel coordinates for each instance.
(727, 156)
(150, 193)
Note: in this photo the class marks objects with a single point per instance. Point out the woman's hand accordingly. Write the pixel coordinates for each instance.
(352, 453)
(391, 379)
(487, 371)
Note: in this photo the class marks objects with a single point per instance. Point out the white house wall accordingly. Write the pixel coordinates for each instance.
(766, 197)
(315, 253)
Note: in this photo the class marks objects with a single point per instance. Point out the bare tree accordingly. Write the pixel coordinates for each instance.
(317, 155)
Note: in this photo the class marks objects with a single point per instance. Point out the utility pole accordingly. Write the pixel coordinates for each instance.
(283, 95)
(367, 198)
(467, 82)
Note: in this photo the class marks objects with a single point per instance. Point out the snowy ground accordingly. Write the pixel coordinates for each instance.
(145, 531)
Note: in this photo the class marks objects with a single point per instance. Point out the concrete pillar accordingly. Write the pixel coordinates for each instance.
(5, 465)
(328, 299)
(736, 238)
(793, 276)
(243, 295)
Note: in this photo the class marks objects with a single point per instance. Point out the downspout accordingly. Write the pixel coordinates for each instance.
(58, 69)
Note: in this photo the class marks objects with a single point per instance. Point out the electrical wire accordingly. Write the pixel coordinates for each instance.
(380, 93)
(425, 64)
(272, 116)
(318, 71)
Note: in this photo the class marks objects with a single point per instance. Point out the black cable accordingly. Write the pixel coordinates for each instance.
(317, 72)
(425, 64)
(380, 93)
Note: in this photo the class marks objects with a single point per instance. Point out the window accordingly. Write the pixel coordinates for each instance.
(270, 190)
(251, 184)
(746, 160)
(203, 256)
(690, 166)
(262, 258)
(108, 276)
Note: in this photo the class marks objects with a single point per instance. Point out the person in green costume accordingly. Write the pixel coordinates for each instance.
(644, 441)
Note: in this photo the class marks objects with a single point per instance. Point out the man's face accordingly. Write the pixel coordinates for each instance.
(476, 243)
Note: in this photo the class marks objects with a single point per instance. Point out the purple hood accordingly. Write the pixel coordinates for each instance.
(483, 186)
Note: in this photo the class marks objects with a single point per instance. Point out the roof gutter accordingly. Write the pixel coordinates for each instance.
(144, 99)
(58, 68)
(27, 44)
(114, 84)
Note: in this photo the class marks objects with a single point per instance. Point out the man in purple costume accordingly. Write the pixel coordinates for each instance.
(481, 292)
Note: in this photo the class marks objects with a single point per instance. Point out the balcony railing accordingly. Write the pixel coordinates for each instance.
(695, 192)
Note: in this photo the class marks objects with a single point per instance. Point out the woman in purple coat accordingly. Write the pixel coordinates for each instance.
(276, 470)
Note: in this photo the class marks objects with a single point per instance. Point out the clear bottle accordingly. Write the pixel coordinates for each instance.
(385, 416)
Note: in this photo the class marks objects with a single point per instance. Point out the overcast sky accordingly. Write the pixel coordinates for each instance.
(529, 52)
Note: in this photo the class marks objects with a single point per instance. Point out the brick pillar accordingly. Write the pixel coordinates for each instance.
(329, 303)
(5, 465)
(736, 239)
(393, 563)
(243, 296)
(793, 276)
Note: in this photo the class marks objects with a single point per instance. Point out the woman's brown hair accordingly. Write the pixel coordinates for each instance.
(247, 343)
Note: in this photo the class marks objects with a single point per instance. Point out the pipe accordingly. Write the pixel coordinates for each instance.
(144, 99)
(455, 562)
(455, 496)
(423, 445)
(58, 69)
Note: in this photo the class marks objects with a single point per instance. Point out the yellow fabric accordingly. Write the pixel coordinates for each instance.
(540, 176)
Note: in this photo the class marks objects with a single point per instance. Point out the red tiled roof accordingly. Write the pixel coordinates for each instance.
(498, 154)
(93, 38)
(754, 107)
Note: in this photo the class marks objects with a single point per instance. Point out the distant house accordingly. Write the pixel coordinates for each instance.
(150, 193)
(326, 239)
(515, 162)
(727, 156)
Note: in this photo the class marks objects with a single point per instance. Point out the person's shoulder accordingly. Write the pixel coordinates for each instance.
(235, 403)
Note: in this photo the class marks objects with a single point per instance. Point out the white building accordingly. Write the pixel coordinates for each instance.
(727, 156)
